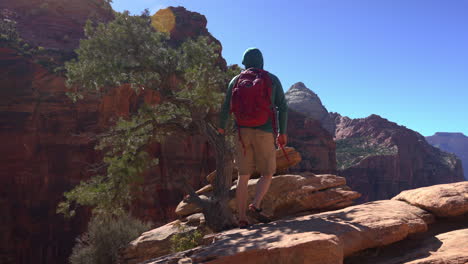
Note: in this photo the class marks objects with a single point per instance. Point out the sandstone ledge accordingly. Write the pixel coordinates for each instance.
(292, 194)
(322, 238)
(423, 218)
(443, 200)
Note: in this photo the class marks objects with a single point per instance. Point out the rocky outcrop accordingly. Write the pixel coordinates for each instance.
(288, 195)
(331, 237)
(305, 101)
(315, 144)
(443, 200)
(321, 238)
(157, 242)
(456, 143)
(55, 24)
(292, 194)
(379, 158)
(182, 24)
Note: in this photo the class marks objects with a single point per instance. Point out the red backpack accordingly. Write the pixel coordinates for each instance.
(251, 98)
(251, 101)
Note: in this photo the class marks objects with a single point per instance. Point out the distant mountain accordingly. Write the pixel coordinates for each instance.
(303, 100)
(456, 143)
(380, 158)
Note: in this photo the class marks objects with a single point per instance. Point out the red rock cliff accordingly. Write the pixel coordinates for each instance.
(55, 23)
(314, 142)
(47, 145)
(380, 158)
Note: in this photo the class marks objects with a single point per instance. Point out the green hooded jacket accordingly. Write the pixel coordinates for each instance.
(253, 59)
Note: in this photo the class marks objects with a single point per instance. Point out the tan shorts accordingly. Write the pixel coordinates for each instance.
(260, 153)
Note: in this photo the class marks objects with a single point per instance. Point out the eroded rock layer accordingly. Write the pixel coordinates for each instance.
(380, 158)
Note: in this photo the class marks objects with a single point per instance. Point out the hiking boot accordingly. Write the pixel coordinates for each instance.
(243, 224)
(257, 214)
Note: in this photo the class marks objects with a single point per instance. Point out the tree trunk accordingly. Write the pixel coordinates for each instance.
(217, 213)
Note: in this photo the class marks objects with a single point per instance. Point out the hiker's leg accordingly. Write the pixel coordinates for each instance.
(245, 163)
(265, 152)
(261, 189)
(241, 195)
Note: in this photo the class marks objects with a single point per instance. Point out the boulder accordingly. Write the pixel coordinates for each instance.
(450, 247)
(157, 242)
(443, 200)
(292, 194)
(320, 238)
(284, 162)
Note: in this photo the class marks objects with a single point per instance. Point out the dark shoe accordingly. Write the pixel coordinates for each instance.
(257, 214)
(243, 224)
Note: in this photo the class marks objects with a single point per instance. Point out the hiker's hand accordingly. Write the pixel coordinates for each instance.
(282, 139)
(221, 131)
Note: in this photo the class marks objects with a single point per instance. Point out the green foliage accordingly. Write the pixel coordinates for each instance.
(185, 239)
(126, 50)
(125, 160)
(100, 244)
(351, 151)
(129, 51)
(8, 31)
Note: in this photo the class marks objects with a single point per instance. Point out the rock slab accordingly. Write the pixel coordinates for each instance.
(443, 200)
(321, 238)
(291, 194)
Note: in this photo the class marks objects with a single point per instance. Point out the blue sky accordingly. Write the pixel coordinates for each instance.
(405, 60)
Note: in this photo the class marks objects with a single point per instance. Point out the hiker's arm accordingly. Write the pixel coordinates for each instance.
(281, 105)
(224, 113)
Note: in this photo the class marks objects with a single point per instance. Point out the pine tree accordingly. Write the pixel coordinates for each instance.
(128, 50)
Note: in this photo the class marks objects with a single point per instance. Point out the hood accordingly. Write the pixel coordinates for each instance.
(253, 58)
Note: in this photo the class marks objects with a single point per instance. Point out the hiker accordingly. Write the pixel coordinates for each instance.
(256, 99)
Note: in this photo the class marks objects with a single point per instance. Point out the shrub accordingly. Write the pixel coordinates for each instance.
(100, 244)
(351, 151)
(185, 239)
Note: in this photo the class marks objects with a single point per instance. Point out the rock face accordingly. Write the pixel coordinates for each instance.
(56, 24)
(380, 158)
(292, 194)
(331, 237)
(443, 200)
(41, 160)
(303, 100)
(48, 142)
(315, 144)
(455, 143)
